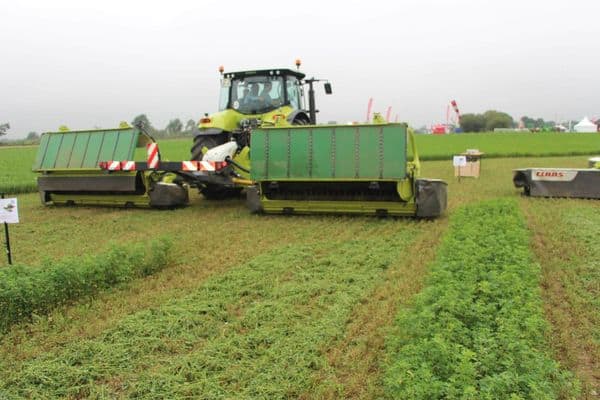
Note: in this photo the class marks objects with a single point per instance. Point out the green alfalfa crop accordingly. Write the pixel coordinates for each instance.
(26, 291)
(259, 330)
(477, 331)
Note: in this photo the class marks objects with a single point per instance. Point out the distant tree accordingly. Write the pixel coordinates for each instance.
(143, 120)
(174, 127)
(4, 128)
(421, 129)
(33, 136)
(472, 122)
(190, 125)
(496, 119)
(528, 122)
(539, 123)
(488, 121)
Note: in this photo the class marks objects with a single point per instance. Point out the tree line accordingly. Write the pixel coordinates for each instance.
(175, 128)
(486, 122)
(492, 119)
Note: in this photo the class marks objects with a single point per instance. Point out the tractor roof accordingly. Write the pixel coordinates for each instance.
(265, 72)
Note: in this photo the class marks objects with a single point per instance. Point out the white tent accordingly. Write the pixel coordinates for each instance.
(585, 125)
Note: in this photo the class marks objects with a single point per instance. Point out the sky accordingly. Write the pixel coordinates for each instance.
(94, 63)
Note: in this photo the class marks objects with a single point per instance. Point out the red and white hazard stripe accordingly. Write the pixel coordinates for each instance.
(113, 166)
(206, 165)
(202, 165)
(189, 165)
(185, 166)
(152, 151)
(128, 165)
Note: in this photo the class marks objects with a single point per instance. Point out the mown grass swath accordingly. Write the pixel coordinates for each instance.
(477, 330)
(27, 291)
(567, 246)
(257, 331)
(584, 277)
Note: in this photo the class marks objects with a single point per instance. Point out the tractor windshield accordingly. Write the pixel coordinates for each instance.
(252, 95)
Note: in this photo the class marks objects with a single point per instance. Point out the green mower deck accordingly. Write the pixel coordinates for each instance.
(349, 169)
(68, 164)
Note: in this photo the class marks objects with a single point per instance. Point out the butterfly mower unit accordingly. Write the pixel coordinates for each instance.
(581, 183)
(263, 141)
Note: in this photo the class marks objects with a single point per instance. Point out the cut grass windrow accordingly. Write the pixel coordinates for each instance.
(566, 244)
(477, 331)
(584, 282)
(26, 291)
(257, 331)
(356, 358)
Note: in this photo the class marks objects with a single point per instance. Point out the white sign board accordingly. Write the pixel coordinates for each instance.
(459, 161)
(9, 212)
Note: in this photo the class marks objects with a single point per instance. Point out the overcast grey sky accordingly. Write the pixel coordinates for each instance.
(95, 63)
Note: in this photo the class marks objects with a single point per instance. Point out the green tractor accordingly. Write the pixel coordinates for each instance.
(250, 100)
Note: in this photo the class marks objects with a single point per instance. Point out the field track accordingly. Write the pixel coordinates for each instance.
(279, 307)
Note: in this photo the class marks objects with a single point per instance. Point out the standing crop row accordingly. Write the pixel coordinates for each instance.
(477, 331)
(26, 291)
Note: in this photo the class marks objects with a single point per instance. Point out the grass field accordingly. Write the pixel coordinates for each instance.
(322, 307)
(15, 169)
(439, 147)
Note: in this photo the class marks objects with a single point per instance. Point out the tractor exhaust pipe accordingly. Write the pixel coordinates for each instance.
(312, 112)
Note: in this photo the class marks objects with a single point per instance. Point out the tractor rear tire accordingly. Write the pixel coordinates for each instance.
(201, 141)
(211, 191)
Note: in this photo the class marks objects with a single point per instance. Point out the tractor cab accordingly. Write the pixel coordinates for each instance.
(260, 92)
(255, 98)
(249, 100)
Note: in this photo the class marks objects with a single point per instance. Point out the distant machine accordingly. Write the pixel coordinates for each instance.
(452, 121)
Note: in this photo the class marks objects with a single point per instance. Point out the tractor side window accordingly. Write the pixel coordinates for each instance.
(293, 92)
(224, 95)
